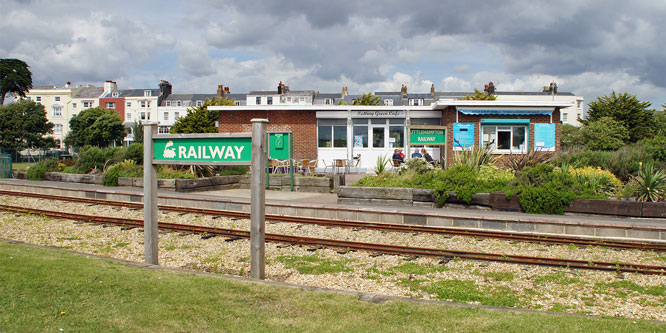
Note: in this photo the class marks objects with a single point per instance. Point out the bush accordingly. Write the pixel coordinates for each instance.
(167, 172)
(135, 153)
(599, 180)
(114, 155)
(542, 189)
(229, 170)
(651, 183)
(90, 159)
(623, 163)
(127, 168)
(36, 171)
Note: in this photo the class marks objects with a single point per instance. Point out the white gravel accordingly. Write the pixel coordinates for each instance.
(535, 287)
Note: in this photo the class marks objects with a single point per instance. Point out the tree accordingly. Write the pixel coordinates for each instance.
(660, 123)
(633, 114)
(571, 136)
(137, 129)
(24, 125)
(365, 99)
(199, 119)
(480, 96)
(95, 127)
(605, 133)
(15, 77)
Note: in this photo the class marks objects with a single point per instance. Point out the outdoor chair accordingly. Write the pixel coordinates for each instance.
(312, 166)
(326, 166)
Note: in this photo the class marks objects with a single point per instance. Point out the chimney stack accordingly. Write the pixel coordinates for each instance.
(345, 92)
(432, 90)
(403, 90)
(282, 88)
(68, 84)
(220, 90)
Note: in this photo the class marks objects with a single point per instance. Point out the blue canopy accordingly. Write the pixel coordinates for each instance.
(514, 112)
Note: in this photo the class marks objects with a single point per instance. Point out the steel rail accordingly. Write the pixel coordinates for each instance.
(358, 246)
(449, 231)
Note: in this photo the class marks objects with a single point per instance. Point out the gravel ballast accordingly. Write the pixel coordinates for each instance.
(450, 279)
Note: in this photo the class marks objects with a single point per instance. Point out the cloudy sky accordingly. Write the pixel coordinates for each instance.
(588, 47)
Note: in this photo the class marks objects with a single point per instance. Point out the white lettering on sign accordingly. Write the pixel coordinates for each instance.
(210, 152)
(426, 138)
(422, 132)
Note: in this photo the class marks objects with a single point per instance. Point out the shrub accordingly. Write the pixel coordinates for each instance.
(135, 153)
(475, 157)
(382, 162)
(532, 158)
(605, 133)
(167, 172)
(36, 171)
(127, 168)
(415, 165)
(623, 163)
(90, 158)
(651, 183)
(229, 170)
(601, 181)
(542, 189)
(465, 181)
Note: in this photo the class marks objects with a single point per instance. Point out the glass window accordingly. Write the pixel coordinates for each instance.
(73, 105)
(340, 136)
(179, 103)
(378, 137)
(258, 100)
(168, 103)
(396, 136)
(361, 135)
(199, 103)
(325, 139)
(57, 98)
(57, 129)
(176, 115)
(388, 102)
(565, 116)
(269, 100)
(378, 121)
(110, 105)
(129, 104)
(505, 139)
(57, 111)
(128, 116)
(360, 121)
(166, 115)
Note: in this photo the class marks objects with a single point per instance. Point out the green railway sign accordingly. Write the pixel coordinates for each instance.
(427, 136)
(202, 149)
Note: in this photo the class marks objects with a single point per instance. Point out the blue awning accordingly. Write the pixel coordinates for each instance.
(507, 112)
(505, 121)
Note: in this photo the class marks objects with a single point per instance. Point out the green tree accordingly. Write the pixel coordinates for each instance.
(605, 133)
(15, 77)
(633, 114)
(365, 99)
(571, 136)
(137, 129)
(480, 95)
(199, 119)
(95, 127)
(660, 123)
(24, 125)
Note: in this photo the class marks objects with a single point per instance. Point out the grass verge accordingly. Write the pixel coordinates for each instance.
(47, 290)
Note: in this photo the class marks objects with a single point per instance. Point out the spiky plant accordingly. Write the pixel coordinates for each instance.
(382, 162)
(476, 157)
(652, 183)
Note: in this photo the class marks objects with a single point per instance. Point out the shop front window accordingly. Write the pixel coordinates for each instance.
(360, 134)
(332, 133)
(378, 137)
(505, 139)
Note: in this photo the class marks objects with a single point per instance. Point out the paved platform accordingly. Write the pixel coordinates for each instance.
(318, 205)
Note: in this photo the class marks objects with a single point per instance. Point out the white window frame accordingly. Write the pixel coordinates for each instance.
(176, 115)
(328, 101)
(166, 116)
(128, 116)
(164, 130)
(73, 105)
(388, 102)
(179, 103)
(168, 103)
(38, 99)
(257, 100)
(57, 128)
(505, 128)
(565, 117)
(142, 115)
(238, 103)
(142, 104)
(269, 100)
(415, 101)
(87, 104)
(147, 93)
(199, 103)
(128, 104)
(111, 105)
(57, 111)
(57, 98)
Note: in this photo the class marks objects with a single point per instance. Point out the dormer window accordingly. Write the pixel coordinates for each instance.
(199, 103)
(179, 103)
(415, 101)
(388, 102)
(115, 94)
(168, 103)
(147, 93)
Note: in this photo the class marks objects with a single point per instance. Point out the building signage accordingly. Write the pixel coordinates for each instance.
(183, 149)
(427, 136)
(544, 137)
(463, 136)
(379, 114)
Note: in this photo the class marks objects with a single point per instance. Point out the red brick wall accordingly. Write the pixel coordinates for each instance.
(302, 123)
(120, 105)
(449, 117)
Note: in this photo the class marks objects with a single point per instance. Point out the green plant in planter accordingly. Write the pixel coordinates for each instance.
(651, 183)
(382, 162)
(476, 157)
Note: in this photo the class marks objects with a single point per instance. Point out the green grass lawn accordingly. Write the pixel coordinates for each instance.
(48, 290)
(21, 166)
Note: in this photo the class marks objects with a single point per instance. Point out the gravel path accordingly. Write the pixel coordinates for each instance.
(480, 282)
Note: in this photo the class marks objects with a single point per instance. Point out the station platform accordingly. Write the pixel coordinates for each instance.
(318, 205)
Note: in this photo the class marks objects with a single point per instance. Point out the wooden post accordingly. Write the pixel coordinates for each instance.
(258, 200)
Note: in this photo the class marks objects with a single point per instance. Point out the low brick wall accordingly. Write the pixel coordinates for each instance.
(393, 196)
(187, 185)
(301, 184)
(390, 196)
(73, 178)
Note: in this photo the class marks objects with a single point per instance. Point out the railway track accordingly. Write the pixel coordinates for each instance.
(511, 236)
(358, 246)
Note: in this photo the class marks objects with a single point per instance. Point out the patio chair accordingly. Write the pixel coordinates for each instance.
(312, 166)
(326, 166)
(341, 164)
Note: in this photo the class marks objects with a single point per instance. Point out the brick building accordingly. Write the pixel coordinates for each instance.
(329, 132)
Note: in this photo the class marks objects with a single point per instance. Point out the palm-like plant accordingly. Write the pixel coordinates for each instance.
(652, 183)
(476, 157)
(382, 162)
